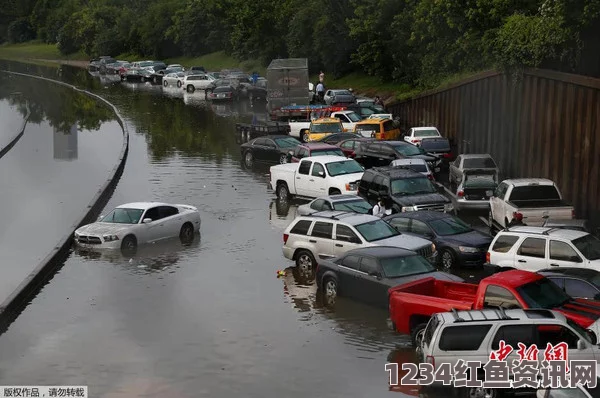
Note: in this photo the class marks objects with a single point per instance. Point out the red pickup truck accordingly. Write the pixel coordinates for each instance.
(412, 304)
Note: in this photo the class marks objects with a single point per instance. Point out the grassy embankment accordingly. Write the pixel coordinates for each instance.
(47, 54)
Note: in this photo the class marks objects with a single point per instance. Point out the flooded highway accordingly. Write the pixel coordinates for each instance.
(205, 320)
(52, 173)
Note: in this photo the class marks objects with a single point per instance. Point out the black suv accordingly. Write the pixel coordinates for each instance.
(402, 189)
(382, 153)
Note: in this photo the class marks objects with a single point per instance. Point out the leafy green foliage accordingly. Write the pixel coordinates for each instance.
(409, 42)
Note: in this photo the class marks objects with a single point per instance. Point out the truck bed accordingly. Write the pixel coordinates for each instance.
(413, 303)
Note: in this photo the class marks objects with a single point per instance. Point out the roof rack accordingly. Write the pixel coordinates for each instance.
(499, 311)
(551, 229)
(457, 317)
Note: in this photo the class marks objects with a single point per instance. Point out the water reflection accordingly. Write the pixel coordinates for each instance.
(281, 213)
(65, 144)
(197, 98)
(107, 80)
(173, 92)
(153, 258)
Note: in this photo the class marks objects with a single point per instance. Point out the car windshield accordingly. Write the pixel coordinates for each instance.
(409, 150)
(449, 226)
(357, 206)
(287, 142)
(123, 216)
(327, 152)
(479, 163)
(412, 186)
(480, 181)
(543, 294)
(146, 63)
(396, 267)
(344, 167)
(326, 128)
(376, 230)
(353, 117)
(419, 167)
(589, 246)
(427, 133)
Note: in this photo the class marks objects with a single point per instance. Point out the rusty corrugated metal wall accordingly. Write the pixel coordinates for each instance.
(541, 124)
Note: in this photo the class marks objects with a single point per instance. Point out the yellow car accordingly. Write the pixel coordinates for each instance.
(321, 128)
(378, 128)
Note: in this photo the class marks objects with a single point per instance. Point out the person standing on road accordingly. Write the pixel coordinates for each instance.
(320, 91)
(321, 77)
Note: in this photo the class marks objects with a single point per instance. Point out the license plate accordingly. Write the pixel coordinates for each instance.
(488, 193)
(221, 95)
(437, 169)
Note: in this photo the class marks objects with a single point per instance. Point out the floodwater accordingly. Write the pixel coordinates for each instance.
(207, 320)
(52, 173)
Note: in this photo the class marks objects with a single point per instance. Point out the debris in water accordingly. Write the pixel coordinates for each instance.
(280, 273)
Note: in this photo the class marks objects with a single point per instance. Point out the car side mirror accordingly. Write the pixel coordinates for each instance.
(147, 220)
(581, 345)
(321, 174)
(592, 337)
(377, 275)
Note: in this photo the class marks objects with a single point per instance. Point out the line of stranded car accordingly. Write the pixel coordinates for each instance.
(549, 268)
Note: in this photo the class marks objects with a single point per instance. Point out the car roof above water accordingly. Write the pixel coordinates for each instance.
(141, 205)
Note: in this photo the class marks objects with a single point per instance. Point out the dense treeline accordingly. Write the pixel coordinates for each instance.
(410, 41)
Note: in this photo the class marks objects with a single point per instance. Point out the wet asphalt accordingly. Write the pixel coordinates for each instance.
(207, 320)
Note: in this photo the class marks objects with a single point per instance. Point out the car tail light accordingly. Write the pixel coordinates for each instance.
(447, 155)
(430, 359)
(573, 213)
(488, 256)
(285, 238)
(460, 194)
(414, 141)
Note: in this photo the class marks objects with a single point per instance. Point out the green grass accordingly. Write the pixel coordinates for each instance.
(35, 51)
(365, 85)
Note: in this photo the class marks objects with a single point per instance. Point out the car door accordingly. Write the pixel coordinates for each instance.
(318, 180)
(321, 236)
(327, 97)
(303, 184)
(345, 239)
(561, 254)
(421, 229)
(497, 203)
(153, 230)
(554, 334)
(453, 171)
(258, 149)
(531, 255)
(372, 289)
(401, 224)
(171, 221)
(271, 151)
(349, 276)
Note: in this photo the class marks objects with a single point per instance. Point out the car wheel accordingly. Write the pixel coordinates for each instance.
(304, 136)
(249, 159)
(186, 234)
(165, 83)
(191, 89)
(334, 192)
(283, 158)
(282, 191)
(305, 261)
(448, 259)
(129, 245)
(330, 290)
(178, 84)
(416, 335)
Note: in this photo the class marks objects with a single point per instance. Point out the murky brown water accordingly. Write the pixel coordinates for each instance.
(207, 320)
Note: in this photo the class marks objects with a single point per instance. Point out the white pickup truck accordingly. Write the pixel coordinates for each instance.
(316, 176)
(535, 198)
(300, 129)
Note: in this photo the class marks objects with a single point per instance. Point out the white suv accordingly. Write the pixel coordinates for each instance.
(192, 83)
(474, 335)
(330, 234)
(535, 248)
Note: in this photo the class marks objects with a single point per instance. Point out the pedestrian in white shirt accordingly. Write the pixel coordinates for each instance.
(379, 208)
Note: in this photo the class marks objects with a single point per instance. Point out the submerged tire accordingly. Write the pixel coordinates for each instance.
(186, 234)
(129, 245)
